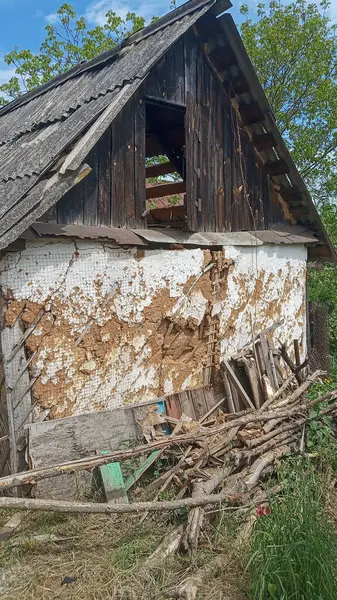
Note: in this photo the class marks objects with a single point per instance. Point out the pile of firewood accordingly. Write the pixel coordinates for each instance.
(236, 453)
(223, 458)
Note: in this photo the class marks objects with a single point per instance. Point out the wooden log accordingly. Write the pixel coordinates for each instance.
(269, 445)
(297, 357)
(237, 383)
(262, 462)
(109, 509)
(268, 436)
(169, 545)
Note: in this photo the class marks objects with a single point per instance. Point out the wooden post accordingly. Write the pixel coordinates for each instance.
(18, 395)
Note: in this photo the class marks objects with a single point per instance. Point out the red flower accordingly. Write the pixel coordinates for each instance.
(262, 510)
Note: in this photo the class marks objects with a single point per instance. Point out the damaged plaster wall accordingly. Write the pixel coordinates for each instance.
(112, 326)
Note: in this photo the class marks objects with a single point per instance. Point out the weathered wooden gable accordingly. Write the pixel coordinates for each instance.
(182, 110)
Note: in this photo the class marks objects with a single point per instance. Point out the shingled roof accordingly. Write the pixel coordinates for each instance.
(48, 123)
(46, 134)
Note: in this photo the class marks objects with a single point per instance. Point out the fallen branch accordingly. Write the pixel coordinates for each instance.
(34, 475)
(109, 509)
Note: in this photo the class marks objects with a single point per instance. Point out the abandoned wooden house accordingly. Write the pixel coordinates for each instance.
(107, 299)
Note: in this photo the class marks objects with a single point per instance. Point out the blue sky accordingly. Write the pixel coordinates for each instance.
(22, 22)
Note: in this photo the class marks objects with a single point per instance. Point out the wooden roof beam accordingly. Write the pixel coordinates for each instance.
(264, 141)
(222, 58)
(292, 196)
(251, 113)
(276, 167)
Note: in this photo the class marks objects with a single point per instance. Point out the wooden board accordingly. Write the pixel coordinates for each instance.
(132, 479)
(113, 482)
(194, 403)
(65, 439)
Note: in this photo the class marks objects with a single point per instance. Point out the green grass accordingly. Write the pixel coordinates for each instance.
(294, 549)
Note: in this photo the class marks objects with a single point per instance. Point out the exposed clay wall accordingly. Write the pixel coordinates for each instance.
(112, 326)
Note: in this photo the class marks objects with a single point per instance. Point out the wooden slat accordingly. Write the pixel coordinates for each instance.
(169, 214)
(104, 179)
(251, 370)
(222, 58)
(91, 190)
(219, 183)
(175, 73)
(165, 189)
(140, 202)
(266, 358)
(292, 195)
(160, 169)
(192, 163)
(129, 162)
(113, 482)
(143, 467)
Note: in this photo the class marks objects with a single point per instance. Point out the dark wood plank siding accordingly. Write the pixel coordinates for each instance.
(113, 194)
(227, 188)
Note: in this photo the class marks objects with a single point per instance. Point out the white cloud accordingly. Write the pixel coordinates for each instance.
(5, 74)
(51, 18)
(96, 11)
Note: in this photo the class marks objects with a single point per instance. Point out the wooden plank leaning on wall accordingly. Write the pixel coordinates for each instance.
(17, 386)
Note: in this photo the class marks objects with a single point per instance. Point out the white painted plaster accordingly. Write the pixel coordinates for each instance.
(265, 283)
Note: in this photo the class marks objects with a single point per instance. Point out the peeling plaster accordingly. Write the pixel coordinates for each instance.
(143, 328)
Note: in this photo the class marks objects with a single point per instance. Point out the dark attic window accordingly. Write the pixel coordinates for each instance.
(165, 164)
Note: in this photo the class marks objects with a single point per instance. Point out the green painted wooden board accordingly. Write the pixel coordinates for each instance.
(143, 467)
(113, 482)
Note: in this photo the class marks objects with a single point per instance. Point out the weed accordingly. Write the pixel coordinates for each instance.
(294, 548)
(321, 439)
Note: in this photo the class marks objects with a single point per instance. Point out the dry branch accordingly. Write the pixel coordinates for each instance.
(109, 509)
(34, 475)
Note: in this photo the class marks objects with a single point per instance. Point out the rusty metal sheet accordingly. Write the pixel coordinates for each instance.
(204, 239)
(305, 238)
(120, 236)
(271, 236)
(286, 228)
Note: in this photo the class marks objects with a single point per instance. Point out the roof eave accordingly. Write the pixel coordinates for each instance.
(246, 67)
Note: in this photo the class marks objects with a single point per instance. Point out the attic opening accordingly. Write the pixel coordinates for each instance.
(165, 164)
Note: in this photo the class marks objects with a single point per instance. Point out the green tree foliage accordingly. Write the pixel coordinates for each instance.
(294, 51)
(322, 280)
(68, 42)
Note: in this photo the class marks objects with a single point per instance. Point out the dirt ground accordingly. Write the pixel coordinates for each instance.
(107, 558)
